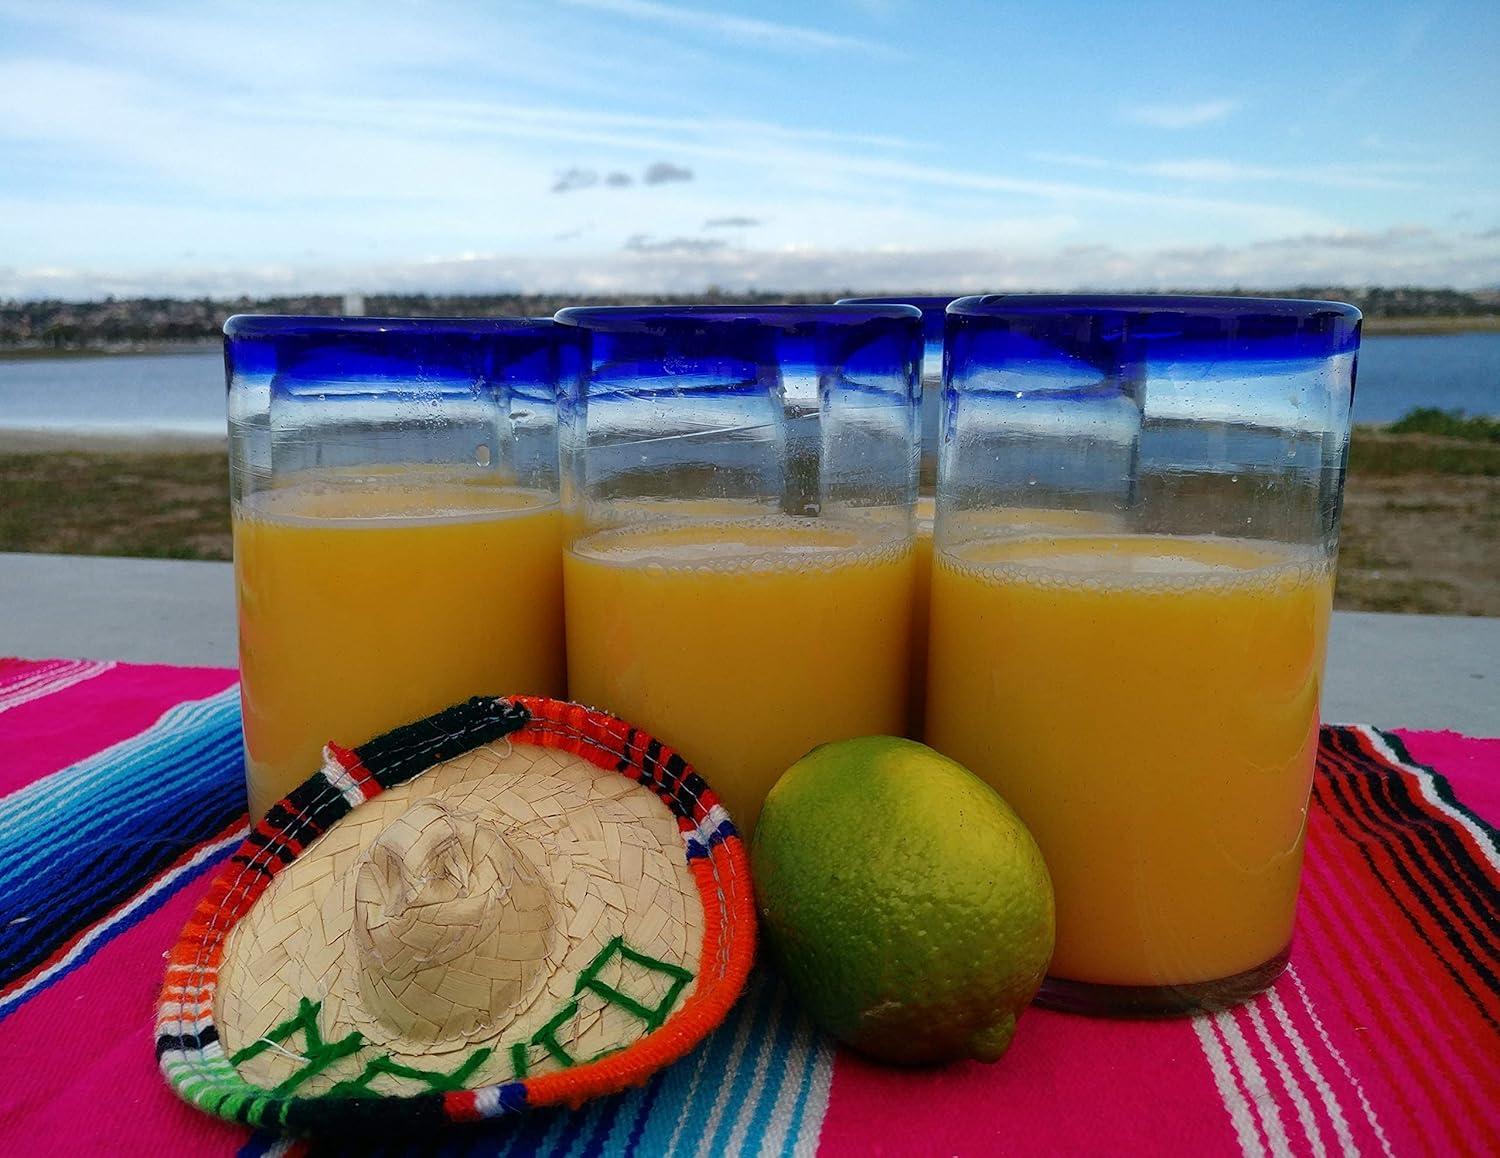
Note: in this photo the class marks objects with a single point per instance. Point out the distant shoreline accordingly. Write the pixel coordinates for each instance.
(38, 440)
(1482, 324)
(1373, 327)
(123, 350)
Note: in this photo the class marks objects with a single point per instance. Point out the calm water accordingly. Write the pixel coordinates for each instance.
(1451, 372)
(121, 394)
(184, 393)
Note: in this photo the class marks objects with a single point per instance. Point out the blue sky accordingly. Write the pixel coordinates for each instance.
(598, 145)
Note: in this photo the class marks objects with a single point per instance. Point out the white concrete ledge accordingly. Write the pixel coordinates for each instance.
(1413, 671)
(140, 610)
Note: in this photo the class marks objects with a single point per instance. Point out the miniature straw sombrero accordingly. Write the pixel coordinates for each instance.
(511, 904)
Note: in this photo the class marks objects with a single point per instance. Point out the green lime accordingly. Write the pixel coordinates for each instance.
(906, 904)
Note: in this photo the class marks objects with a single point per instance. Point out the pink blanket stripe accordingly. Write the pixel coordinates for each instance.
(1382, 1038)
(86, 1044)
(85, 709)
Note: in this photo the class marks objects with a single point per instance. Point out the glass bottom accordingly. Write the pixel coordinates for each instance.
(1161, 1000)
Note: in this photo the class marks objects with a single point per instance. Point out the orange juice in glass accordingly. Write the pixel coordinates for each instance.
(921, 600)
(397, 530)
(366, 604)
(740, 577)
(1004, 522)
(1182, 849)
(689, 625)
(1138, 674)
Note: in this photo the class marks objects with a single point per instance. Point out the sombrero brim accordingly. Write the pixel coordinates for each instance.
(189, 1051)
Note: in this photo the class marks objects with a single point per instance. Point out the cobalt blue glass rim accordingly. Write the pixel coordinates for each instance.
(1159, 325)
(253, 326)
(1206, 305)
(923, 302)
(933, 307)
(325, 349)
(652, 319)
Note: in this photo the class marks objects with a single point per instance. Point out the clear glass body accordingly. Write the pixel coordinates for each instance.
(934, 312)
(1137, 522)
(397, 529)
(739, 484)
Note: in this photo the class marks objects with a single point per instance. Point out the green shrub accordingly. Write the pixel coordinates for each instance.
(1448, 424)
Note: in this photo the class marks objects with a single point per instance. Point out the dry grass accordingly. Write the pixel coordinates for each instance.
(1441, 324)
(1421, 543)
(160, 506)
(1421, 528)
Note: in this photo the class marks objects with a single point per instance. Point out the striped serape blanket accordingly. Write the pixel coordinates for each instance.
(121, 789)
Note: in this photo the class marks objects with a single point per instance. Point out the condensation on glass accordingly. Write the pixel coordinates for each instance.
(934, 311)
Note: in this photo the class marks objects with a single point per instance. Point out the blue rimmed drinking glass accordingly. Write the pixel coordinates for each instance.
(464, 393)
(740, 483)
(398, 537)
(1137, 519)
(934, 313)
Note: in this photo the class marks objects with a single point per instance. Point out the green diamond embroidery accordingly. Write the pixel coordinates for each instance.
(317, 1055)
(435, 1080)
(588, 981)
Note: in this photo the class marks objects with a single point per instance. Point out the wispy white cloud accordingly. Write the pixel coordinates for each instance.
(1219, 171)
(656, 173)
(1186, 115)
(1211, 171)
(664, 173)
(1405, 254)
(1403, 238)
(455, 117)
(334, 46)
(570, 179)
(1253, 214)
(229, 151)
(677, 246)
(742, 29)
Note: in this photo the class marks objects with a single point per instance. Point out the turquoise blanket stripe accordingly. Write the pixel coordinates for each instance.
(114, 821)
(687, 1108)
